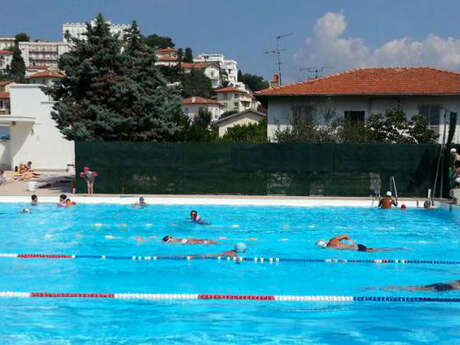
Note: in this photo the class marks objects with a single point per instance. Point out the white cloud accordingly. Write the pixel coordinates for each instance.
(330, 47)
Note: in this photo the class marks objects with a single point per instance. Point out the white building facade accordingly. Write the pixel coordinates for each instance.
(355, 95)
(229, 68)
(6, 56)
(78, 30)
(191, 107)
(7, 42)
(42, 53)
(30, 134)
(236, 99)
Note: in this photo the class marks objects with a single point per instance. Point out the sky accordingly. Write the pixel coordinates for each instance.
(326, 35)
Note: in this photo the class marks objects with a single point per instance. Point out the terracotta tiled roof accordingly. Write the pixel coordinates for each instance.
(46, 75)
(230, 89)
(199, 100)
(166, 50)
(6, 52)
(375, 81)
(4, 95)
(167, 58)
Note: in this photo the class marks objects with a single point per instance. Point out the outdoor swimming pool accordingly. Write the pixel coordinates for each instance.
(269, 232)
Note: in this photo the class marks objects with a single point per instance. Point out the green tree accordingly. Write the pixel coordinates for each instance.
(110, 94)
(188, 56)
(195, 83)
(200, 129)
(254, 82)
(22, 37)
(157, 42)
(17, 69)
(252, 133)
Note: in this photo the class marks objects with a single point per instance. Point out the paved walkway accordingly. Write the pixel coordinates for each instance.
(49, 183)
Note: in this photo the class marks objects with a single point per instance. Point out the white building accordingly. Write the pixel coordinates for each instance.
(229, 68)
(166, 57)
(236, 99)
(244, 118)
(6, 56)
(78, 30)
(42, 53)
(210, 70)
(191, 107)
(7, 42)
(30, 134)
(355, 95)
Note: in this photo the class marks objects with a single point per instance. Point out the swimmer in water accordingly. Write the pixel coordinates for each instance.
(438, 287)
(172, 240)
(196, 218)
(34, 200)
(62, 200)
(427, 205)
(336, 243)
(141, 203)
(239, 248)
(387, 201)
(24, 211)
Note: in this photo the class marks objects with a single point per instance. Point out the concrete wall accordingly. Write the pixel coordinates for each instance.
(41, 142)
(281, 109)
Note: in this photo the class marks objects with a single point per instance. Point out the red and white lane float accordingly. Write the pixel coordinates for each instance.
(238, 259)
(179, 297)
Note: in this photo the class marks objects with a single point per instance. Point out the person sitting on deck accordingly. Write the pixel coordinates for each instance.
(170, 239)
(2, 177)
(387, 201)
(27, 172)
(336, 243)
(196, 218)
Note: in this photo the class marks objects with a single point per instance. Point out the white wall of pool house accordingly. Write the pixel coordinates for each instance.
(33, 133)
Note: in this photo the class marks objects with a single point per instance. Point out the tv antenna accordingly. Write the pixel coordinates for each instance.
(315, 70)
(277, 52)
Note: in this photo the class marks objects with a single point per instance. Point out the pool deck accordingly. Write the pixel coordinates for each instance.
(249, 200)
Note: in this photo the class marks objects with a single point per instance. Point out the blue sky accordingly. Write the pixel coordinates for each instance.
(340, 34)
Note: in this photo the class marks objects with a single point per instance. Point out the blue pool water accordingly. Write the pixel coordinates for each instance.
(285, 232)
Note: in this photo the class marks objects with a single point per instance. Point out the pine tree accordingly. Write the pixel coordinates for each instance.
(17, 68)
(188, 56)
(113, 94)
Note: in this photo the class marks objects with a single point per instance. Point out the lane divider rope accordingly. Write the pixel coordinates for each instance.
(279, 298)
(226, 258)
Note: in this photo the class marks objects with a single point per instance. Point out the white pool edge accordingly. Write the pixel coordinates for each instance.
(200, 200)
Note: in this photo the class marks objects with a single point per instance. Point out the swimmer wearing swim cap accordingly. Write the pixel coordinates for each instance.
(337, 243)
(141, 203)
(171, 240)
(239, 248)
(387, 201)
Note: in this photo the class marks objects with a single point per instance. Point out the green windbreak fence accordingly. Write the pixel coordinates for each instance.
(257, 169)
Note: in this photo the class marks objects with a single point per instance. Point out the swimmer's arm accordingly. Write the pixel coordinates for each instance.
(341, 237)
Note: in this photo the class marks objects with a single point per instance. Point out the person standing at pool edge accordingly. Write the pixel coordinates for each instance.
(90, 177)
(387, 201)
(196, 218)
